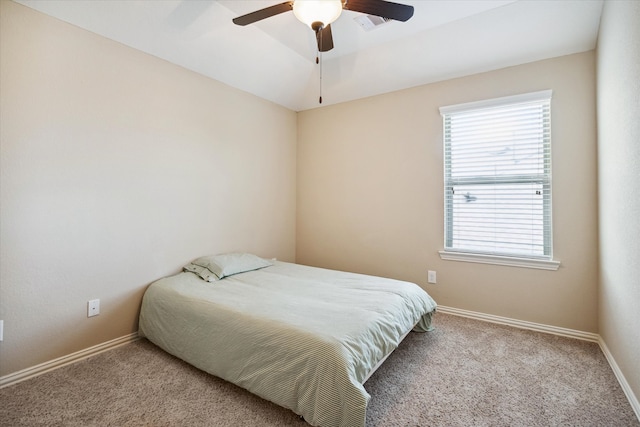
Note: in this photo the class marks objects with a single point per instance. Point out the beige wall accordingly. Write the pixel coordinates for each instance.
(116, 169)
(370, 193)
(618, 65)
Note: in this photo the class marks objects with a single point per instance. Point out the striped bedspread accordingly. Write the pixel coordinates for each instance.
(304, 338)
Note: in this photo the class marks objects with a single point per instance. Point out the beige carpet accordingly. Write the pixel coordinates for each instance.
(465, 373)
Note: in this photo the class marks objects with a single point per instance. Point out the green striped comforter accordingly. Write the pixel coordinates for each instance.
(304, 338)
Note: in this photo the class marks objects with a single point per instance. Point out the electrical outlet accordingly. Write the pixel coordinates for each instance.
(93, 307)
(431, 276)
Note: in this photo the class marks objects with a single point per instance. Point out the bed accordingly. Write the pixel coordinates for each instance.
(302, 337)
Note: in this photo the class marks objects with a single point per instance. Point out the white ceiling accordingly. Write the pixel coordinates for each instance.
(275, 58)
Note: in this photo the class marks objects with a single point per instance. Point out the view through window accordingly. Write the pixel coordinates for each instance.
(498, 176)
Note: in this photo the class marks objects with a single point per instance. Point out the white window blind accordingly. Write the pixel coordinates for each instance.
(497, 162)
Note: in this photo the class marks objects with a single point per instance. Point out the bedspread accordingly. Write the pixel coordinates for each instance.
(302, 337)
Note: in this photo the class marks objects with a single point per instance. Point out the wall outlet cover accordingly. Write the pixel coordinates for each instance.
(93, 307)
(431, 276)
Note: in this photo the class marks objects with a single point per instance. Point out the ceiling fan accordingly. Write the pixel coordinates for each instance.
(319, 14)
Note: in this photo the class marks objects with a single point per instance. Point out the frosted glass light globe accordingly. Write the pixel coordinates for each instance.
(310, 11)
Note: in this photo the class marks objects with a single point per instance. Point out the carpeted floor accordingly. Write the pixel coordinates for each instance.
(464, 373)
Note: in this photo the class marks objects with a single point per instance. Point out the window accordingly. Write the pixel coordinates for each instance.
(497, 181)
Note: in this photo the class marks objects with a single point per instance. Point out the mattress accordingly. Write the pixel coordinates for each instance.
(302, 337)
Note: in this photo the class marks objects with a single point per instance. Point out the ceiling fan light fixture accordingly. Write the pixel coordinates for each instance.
(310, 11)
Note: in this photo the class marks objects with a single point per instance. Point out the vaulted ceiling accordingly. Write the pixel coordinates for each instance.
(275, 58)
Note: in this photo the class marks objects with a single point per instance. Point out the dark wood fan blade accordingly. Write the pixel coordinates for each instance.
(261, 14)
(325, 39)
(384, 9)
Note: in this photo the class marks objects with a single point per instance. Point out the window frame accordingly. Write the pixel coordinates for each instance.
(486, 257)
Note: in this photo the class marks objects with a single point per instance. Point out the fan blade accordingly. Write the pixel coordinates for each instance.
(325, 39)
(384, 9)
(261, 14)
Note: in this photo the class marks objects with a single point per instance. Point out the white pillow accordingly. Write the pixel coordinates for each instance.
(224, 265)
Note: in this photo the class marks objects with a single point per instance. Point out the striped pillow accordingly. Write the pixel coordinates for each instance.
(224, 265)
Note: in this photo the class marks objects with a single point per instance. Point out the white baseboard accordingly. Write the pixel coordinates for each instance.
(51, 365)
(633, 400)
(571, 333)
(555, 330)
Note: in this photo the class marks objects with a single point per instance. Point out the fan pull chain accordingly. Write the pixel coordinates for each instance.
(320, 99)
(319, 61)
(319, 58)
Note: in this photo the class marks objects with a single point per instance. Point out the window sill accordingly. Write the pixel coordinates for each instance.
(500, 260)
